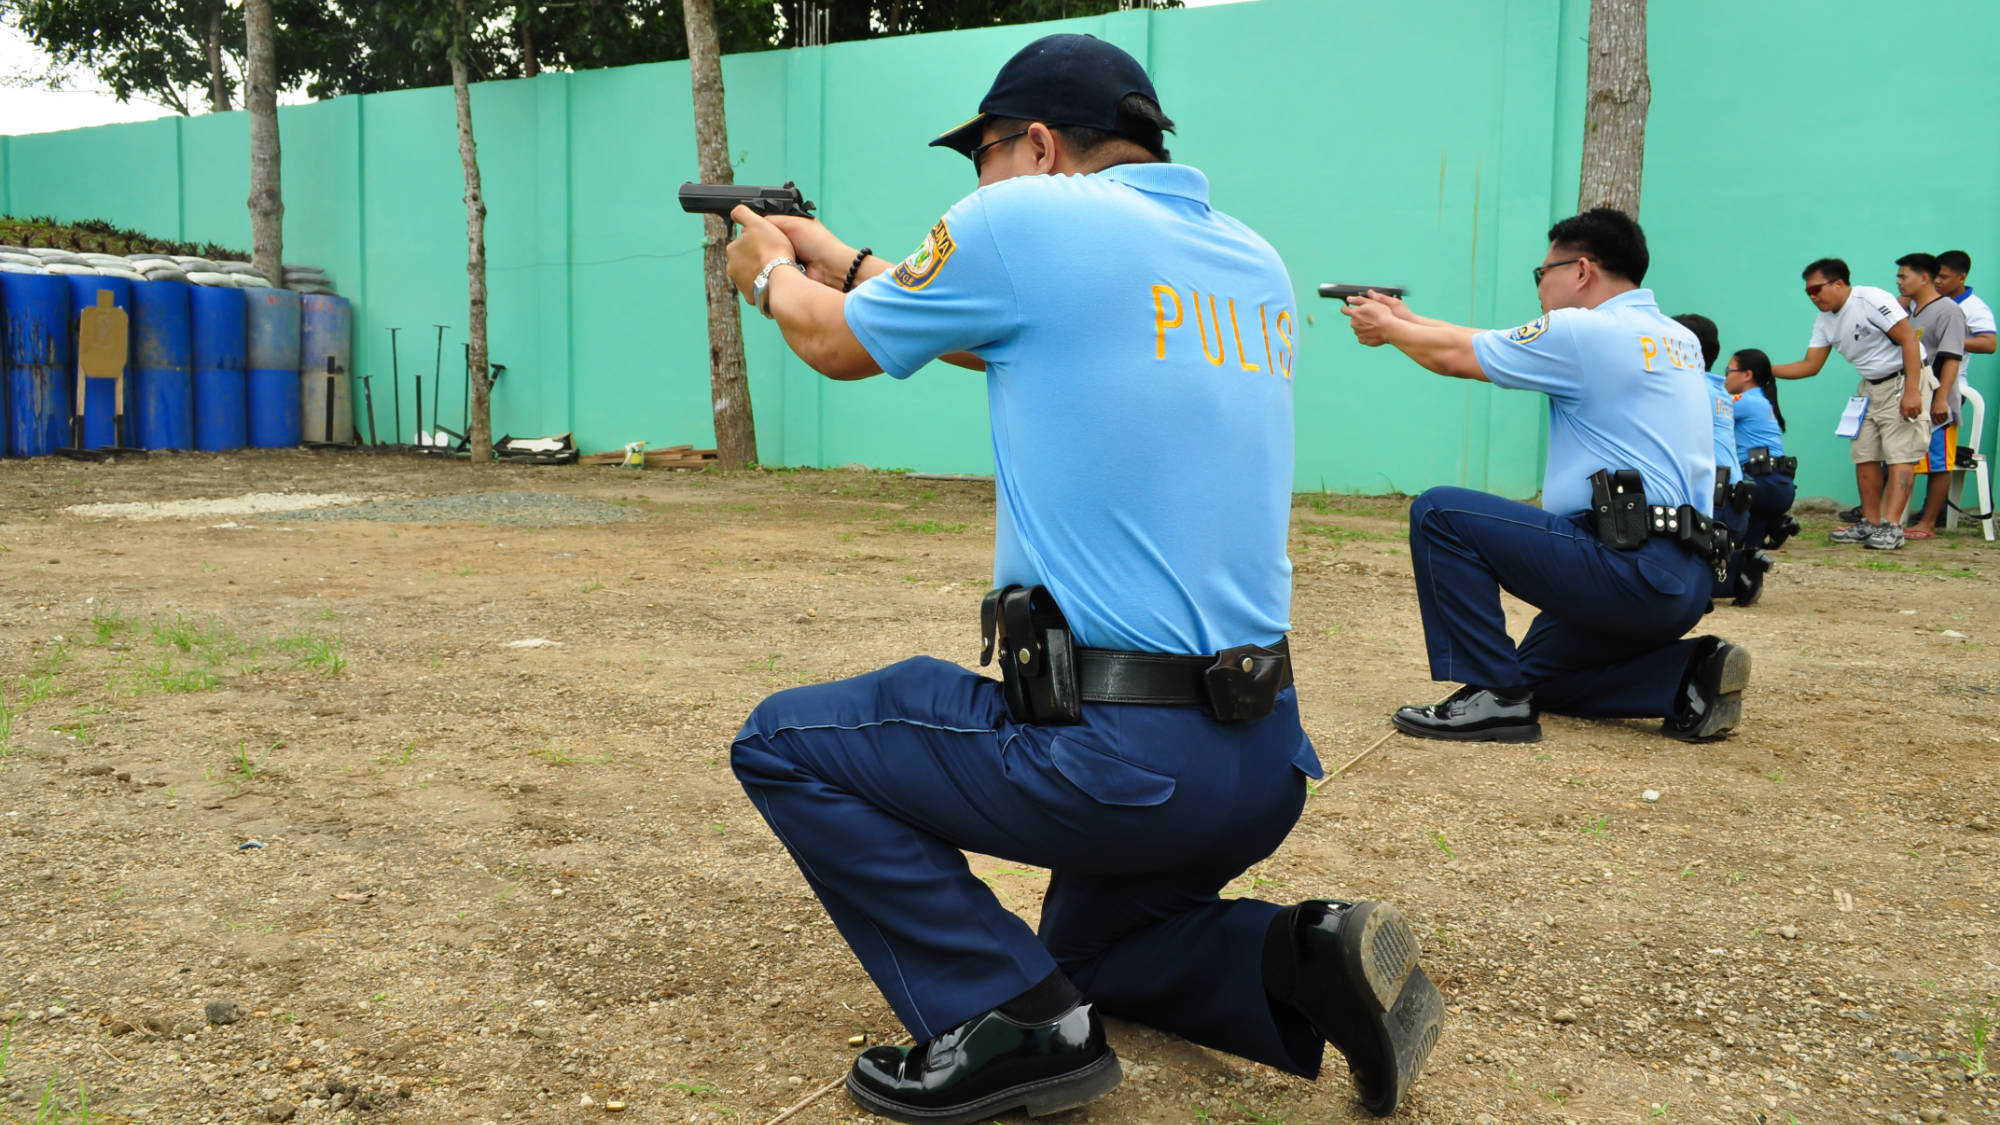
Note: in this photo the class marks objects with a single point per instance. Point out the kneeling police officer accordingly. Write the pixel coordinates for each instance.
(1620, 557)
(1145, 743)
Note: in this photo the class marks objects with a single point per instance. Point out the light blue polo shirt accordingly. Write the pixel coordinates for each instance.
(1625, 391)
(1139, 350)
(1757, 424)
(1724, 411)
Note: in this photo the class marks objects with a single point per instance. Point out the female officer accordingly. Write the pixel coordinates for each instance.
(1760, 440)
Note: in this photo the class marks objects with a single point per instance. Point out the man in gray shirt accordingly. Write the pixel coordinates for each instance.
(1940, 324)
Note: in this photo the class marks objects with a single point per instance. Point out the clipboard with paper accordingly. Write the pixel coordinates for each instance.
(1850, 418)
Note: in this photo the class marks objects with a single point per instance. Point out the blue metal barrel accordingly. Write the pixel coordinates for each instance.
(273, 385)
(221, 346)
(34, 362)
(160, 402)
(99, 396)
(326, 330)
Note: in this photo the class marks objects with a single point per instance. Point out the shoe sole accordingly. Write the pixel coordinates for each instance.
(1038, 1099)
(1530, 733)
(1407, 1007)
(1727, 711)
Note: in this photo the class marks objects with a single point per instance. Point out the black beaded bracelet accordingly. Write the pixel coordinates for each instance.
(855, 269)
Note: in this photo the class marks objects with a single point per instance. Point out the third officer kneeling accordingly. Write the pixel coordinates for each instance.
(1620, 556)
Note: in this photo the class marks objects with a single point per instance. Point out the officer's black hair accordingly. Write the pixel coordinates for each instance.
(1920, 263)
(1832, 269)
(1704, 334)
(1608, 236)
(1140, 121)
(1956, 260)
(1758, 365)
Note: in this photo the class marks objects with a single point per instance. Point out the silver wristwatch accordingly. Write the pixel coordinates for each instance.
(760, 289)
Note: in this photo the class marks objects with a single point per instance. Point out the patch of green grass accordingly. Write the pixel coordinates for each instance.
(592, 586)
(36, 688)
(1598, 828)
(1438, 839)
(242, 770)
(106, 623)
(550, 753)
(930, 527)
(163, 676)
(6, 725)
(1341, 534)
(313, 650)
(1977, 1020)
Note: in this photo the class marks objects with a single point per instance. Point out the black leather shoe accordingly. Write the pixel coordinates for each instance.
(1351, 970)
(1850, 515)
(1787, 527)
(1711, 696)
(1473, 714)
(989, 1065)
(1750, 578)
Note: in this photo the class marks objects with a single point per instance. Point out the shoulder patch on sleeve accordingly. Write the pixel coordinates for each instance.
(1530, 330)
(917, 270)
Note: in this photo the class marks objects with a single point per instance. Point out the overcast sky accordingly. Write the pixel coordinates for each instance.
(86, 102)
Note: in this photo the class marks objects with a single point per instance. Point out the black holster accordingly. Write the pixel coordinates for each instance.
(1618, 508)
(1037, 654)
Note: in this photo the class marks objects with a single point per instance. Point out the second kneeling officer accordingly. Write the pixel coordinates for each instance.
(1620, 557)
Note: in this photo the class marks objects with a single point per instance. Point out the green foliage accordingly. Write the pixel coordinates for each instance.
(160, 49)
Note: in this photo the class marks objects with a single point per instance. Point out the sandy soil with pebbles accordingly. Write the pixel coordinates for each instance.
(288, 831)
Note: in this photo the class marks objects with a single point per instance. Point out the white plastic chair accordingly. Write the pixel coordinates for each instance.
(1973, 410)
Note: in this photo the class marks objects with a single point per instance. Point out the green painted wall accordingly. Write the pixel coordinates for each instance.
(1428, 143)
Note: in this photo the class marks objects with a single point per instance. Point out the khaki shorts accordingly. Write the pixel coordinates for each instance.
(1886, 435)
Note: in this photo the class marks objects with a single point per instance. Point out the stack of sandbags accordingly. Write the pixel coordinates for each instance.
(111, 265)
(309, 279)
(243, 275)
(157, 267)
(16, 259)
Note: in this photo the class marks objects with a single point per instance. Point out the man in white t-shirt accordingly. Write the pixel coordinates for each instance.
(1980, 329)
(1869, 329)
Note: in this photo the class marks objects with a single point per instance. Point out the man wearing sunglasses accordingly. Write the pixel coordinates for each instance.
(1146, 744)
(1630, 437)
(1869, 328)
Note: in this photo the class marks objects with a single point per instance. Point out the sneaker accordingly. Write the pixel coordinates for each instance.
(1887, 537)
(1860, 532)
(1851, 515)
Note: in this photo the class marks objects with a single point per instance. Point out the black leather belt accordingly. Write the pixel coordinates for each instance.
(1161, 679)
(1883, 379)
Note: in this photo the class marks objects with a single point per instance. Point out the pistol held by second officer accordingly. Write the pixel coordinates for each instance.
(1145, 745)
(1618, 577)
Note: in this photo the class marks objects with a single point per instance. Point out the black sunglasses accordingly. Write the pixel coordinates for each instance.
(980, 150)
(1541, 271)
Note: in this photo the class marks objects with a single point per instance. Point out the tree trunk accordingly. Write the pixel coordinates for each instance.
(729, 383)
(480, 426)
(267, 200)
(218, 79)
(530, 65)
(1614, 124)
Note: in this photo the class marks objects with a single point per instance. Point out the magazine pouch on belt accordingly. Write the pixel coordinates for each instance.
(1618, 508)
(1037, 654)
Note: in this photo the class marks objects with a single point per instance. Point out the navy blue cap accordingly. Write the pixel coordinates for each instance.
(1059, 80)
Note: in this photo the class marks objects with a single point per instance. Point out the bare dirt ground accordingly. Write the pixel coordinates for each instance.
(290, 831)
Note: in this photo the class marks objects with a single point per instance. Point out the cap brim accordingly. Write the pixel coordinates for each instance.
(965, 138)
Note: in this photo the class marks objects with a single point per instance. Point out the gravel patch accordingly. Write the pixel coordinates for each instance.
(250, 503)
(515, 509)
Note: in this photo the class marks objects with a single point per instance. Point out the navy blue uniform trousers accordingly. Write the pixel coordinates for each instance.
(1607, 642)
(1143, 814)
(1775, 493)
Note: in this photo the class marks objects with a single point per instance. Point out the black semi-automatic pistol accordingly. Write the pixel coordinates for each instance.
(721, 199)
